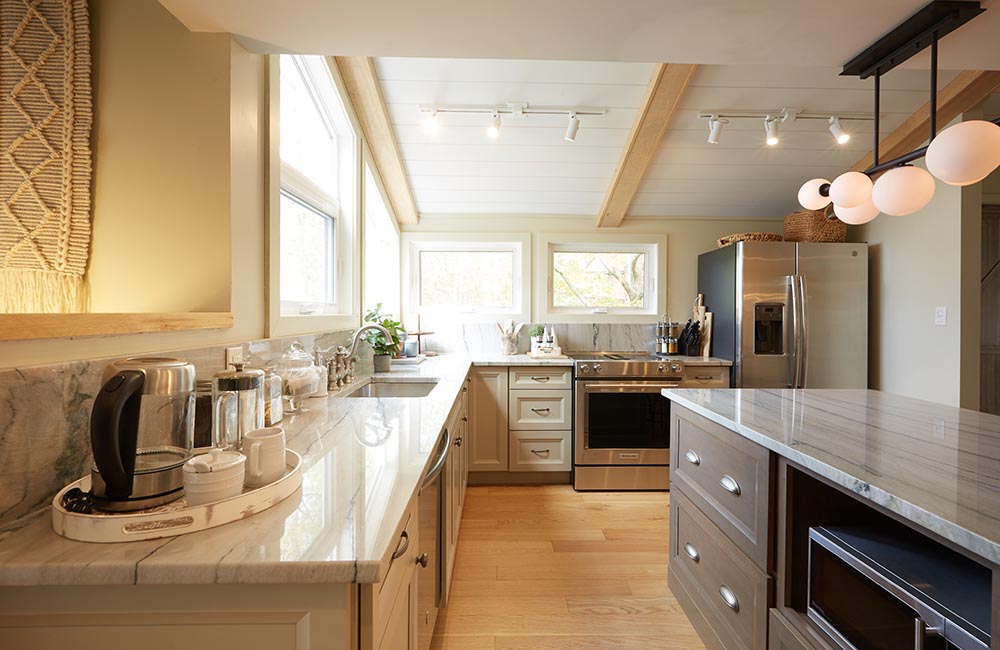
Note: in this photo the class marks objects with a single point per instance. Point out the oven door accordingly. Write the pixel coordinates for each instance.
(622, 422)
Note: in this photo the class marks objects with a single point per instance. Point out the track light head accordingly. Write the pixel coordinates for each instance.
(493, 131)
(771, 130)
(838, 133)
(431, 123)
(715, 129)
(572, 127)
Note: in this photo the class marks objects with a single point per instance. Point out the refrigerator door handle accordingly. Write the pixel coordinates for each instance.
(804, 328)
(792, 349)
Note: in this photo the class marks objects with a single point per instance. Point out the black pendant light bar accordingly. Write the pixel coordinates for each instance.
(934, 21)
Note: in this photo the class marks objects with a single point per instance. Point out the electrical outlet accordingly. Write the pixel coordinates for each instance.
(234, 355)
(939, 428)
(941, 316)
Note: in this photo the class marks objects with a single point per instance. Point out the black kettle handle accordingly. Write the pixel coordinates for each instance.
(114, 431)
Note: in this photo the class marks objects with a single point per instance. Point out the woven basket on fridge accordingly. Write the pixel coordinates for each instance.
(748, 236)
(814, 225)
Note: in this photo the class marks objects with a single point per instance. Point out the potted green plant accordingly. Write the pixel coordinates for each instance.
(536, 332)
(383, 347)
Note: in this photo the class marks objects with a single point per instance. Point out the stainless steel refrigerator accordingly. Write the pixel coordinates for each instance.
(789, 315)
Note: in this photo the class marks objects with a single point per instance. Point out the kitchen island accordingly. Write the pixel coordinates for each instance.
(754, 470)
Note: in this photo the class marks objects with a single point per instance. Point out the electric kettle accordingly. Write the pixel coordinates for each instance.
(142, 433)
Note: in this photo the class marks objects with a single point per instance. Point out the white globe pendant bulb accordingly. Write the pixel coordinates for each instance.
(857, 215)
(851, 189)
(809, 196)
(965, 153)
(903, 190)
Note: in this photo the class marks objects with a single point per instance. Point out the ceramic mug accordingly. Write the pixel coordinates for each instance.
(265, 452)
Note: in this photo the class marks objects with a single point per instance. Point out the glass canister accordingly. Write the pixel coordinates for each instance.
(273, 408)
(237, 405)
(299, 375)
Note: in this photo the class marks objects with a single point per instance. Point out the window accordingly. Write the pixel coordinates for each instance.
(316, 205)
(479, 280)
(381, 237)
(594, 278)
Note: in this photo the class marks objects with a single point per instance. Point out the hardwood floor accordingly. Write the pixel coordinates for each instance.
(547, 568)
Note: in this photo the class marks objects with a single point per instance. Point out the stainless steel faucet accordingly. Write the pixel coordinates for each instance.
(343, 362)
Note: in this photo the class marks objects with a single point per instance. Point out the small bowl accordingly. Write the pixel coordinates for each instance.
(214, 476)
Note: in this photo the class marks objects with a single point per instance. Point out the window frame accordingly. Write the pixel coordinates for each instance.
(346, 212)
(368, 164)
(655, 293)
(520, 245)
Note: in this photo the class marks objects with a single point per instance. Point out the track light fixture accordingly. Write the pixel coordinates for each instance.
(431, 123)
(715, 129)
(771, 130)
(572, 127)
(514, 109)
(493, 131)
(838, 133)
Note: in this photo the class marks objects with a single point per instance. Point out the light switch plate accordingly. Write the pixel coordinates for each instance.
(941, 316)
(234, 355)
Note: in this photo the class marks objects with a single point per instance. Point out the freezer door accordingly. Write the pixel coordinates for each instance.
(764, 314)
(835, 304)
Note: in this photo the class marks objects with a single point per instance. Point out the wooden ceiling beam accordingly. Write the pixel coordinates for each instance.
(361, 80)
(665, 89)
(964, 92)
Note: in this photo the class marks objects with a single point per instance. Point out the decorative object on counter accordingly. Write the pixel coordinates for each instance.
(508, 336)
(265, 452)
(385, 341)
(175, 518)
(45, 172)
(323, 368)
(546, 344)
(814, 226)
(214, 476)
(420, 333)
(273, 408)
(536, 332)
(747, 236)
(299, 377)
(409, 361)
(141, 432)
(411, 348)
(237, 405)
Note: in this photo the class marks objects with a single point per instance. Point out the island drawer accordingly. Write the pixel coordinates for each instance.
(706, 377)
(540, 410)
(540, 451)
(726, 588)
(541, 377)
(727, 475)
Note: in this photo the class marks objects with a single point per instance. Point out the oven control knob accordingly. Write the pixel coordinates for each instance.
(661, 368)
(597, 367)
(676, 367)
(584, 368)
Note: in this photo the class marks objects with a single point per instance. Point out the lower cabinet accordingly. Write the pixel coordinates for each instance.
(488, 419)
(454, 480)
(540, 451)
(389, 608)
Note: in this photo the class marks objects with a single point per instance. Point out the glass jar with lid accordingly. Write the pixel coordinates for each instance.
(299, 375)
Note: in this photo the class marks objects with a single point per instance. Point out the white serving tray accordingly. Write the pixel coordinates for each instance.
(409, 361)
(174, 518)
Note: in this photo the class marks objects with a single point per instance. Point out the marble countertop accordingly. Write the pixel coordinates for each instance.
(363, 460)
(936, 466)
(525, 360)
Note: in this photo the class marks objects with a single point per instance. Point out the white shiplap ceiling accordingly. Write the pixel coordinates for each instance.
(530, 168)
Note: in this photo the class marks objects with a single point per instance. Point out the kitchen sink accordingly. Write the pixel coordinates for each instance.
(394, 389)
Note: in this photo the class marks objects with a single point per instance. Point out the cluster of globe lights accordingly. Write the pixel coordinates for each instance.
(962, 154)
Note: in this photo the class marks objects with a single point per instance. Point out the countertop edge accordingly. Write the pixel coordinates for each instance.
(953, 532)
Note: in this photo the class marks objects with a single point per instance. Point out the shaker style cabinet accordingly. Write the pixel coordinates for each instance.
(455, 479)
(488, 419)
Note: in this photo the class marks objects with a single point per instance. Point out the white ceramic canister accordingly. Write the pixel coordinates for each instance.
(214, 476)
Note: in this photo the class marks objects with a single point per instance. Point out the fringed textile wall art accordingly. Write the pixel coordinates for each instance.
(45, 164)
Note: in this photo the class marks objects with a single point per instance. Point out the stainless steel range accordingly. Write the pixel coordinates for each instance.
(621, 434)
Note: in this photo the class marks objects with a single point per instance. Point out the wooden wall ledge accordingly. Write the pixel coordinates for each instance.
(48, 326)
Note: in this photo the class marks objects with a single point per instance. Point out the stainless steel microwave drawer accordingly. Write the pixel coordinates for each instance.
(728, 476)
(726, 587)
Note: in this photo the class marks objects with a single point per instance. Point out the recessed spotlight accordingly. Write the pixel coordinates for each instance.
(493, 131)
(572, 127)
(431, 123)
(771, 130)
(839, 134)
(715, 129)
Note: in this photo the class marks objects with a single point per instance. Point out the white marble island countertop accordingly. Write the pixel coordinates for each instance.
(363, 460)
(934, 465)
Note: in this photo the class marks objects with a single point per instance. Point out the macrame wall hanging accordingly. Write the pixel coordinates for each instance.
(45, 168)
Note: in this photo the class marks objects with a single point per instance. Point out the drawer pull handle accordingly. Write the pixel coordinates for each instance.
(404, 543)
(422, 560)
(729, 484)
(542, 410)
(692, 552)
(704, 377)
(729, 598)
(539, 452)
(540, 378)
(692, 457)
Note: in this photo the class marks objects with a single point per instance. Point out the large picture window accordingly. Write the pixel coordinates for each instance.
(382, 266)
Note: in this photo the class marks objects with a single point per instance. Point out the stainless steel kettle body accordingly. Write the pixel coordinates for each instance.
(141, 432)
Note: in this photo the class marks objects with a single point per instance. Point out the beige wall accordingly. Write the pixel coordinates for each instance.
(917, 263)
(686, 239)
(241, 180)
(161, 162)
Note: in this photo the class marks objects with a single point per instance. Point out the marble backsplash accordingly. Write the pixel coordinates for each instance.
(483, 338)
(45, 416)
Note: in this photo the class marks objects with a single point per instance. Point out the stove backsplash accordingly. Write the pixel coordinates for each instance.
(483, 338)
(45, 416)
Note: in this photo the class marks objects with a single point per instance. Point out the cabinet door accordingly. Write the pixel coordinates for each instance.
(488, 420)
(401, 626)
